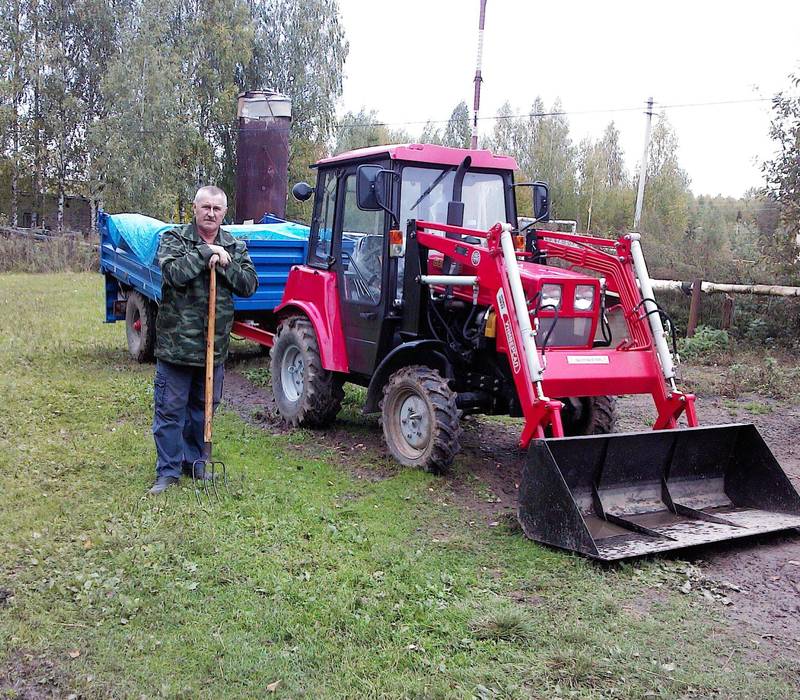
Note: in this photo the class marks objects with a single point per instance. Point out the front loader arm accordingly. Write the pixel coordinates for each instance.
(494, 284)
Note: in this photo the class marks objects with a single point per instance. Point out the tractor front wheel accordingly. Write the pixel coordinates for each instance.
(140, 326)
(305, 393)
(420, 419)
(589, 415)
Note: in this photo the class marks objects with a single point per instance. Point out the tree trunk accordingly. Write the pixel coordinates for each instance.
(60, 217)
(17, 99)
(93, 214)
(38, 160)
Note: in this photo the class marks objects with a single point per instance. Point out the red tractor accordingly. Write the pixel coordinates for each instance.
(421, 286)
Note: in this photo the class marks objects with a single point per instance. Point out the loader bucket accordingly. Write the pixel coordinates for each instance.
(628, 494)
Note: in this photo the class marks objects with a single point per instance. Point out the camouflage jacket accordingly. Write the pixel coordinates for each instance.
(182, 318)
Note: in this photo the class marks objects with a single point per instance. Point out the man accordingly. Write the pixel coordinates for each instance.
(186, 255)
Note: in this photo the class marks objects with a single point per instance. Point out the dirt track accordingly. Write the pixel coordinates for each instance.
(757, 580)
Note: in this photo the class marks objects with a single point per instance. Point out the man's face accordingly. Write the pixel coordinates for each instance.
(209, 211)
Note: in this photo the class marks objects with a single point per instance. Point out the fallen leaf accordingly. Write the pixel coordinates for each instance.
(668, 667)
(272, 687)
(87, 544)
(74, 653)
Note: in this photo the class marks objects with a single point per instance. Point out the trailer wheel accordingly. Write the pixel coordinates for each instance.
(140, 327)
(589, 415)
(420, 419)
(305, 393)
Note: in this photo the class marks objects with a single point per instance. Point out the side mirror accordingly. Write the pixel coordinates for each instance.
(370, 188)
(541, 201)
(302, 191)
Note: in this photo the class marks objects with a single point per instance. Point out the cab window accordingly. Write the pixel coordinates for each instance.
(362, 249)
(323, 246)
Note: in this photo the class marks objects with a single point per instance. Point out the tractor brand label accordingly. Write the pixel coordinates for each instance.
(476, 258)
(512, 344)
(587, 359)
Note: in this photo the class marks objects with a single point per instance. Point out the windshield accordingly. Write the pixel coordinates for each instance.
(482, 194)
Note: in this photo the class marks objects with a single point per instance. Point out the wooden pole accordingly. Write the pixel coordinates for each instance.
(694, 309)
(770, 290)
(727, 312)
(212, 317)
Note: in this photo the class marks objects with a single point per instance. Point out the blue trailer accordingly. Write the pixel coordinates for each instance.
(133, 277)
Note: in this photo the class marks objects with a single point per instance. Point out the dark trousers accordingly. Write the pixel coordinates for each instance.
(179, 402)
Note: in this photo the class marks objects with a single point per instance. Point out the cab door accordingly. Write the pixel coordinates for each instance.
(361, 265)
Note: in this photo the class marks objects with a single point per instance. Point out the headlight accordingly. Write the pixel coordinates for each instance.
(584, 297)
(551, 295)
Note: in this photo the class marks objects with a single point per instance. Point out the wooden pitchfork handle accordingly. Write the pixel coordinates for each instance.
(212, 322)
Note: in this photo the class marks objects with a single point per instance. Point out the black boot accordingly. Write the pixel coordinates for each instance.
(161, 484)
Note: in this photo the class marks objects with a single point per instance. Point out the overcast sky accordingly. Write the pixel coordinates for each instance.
(413, 60)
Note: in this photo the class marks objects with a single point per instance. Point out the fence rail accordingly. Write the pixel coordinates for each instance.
(698, 287)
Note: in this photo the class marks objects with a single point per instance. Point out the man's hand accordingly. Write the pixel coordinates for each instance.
(219, 256)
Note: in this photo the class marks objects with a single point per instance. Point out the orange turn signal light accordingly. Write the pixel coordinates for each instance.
(519, 244)
(397, 243)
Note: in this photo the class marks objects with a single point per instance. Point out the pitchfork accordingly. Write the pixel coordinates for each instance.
(206, 464)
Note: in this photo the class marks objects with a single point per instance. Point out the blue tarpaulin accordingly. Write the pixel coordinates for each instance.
(140, 232)
(143, 233)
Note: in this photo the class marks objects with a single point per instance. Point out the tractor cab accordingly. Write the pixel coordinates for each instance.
(366, 205)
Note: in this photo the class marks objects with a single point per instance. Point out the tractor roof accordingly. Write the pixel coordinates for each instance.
(426, 153)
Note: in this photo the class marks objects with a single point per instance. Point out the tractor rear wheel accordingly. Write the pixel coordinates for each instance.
(420, 419)
(589, 415)
(305, 393)
(140, 327)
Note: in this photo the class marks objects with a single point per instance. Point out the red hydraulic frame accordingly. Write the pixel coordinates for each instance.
(632, 367)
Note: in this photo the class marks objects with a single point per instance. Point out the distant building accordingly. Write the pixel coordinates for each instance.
(77, 211)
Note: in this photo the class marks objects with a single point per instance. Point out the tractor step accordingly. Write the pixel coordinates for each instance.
(629, 494)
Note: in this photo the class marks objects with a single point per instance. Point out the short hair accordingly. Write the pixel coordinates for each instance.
(213, 191)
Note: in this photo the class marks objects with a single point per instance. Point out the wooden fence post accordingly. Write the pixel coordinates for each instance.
(694, 309)
(727, 312)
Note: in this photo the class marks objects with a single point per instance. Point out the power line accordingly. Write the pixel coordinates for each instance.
(566, 113)
(502, 117)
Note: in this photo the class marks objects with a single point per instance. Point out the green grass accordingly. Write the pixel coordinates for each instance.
(334, 586)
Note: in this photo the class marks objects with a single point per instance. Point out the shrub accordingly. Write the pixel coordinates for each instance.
(769, 378)
(54, 254)
(707, 345)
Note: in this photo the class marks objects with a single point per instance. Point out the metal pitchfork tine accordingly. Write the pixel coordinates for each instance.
(203, 465)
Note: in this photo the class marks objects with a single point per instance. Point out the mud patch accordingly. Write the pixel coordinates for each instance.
(33, 677)
(766, 572)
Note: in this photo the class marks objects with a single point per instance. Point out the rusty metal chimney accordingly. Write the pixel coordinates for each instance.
(262, 154)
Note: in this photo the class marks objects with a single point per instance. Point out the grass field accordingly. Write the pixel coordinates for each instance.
(308, 582)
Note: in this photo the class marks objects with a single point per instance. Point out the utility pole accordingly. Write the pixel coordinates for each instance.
(643, 171)
(478, 79)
